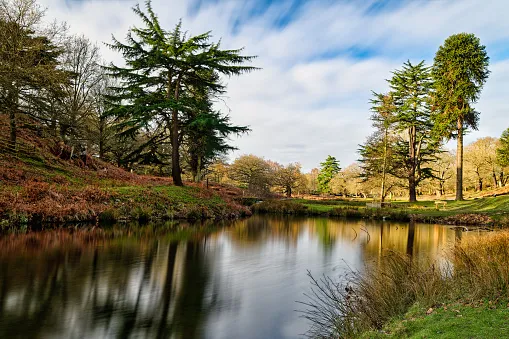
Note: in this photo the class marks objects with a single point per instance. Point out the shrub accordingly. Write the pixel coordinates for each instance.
(141, 214)
(109, 215)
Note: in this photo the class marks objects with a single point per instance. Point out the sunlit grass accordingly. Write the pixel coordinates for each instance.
(496, 208)
(454, 320)
(407, 298)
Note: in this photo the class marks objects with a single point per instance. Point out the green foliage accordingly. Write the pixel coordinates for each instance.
(167, 77)
(503, 150)
(376, 153)
(401, 145)
(410, 88)
(455, 321)
(460, 71)
(328, 169)
(207, 135)
(29, 64)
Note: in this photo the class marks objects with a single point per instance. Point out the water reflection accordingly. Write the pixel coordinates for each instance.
(238, 281)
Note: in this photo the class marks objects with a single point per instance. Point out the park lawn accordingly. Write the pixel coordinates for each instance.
(457, 320)
(495, 207)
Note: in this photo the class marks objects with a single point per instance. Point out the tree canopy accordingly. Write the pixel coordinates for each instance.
(328, 169)
(163, 83)
(459, 72)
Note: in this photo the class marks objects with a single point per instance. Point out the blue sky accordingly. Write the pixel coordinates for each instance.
(320, 60)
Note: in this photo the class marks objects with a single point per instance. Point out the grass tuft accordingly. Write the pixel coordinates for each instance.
(367, 301)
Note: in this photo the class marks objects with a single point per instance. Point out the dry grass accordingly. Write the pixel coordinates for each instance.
(363, 301)
(481, 266)
(46, 186)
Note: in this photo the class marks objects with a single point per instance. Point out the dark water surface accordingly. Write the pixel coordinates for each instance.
(239, 281)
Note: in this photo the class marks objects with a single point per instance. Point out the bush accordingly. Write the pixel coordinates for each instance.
(141, 214)
(109, 215)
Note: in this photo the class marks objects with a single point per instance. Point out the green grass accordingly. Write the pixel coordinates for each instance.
(174, 194)
(452, 321)
(404, 297)
(496, 208)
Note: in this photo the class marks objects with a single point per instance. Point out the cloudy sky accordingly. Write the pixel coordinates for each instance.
(320, 60)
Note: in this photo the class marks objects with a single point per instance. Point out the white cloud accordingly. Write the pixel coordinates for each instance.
(301, 106)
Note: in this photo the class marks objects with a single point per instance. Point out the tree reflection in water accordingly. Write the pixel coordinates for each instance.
(162, 281)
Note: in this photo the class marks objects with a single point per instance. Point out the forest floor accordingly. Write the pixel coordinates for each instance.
(40, 184)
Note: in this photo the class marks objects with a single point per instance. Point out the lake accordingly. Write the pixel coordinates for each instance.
(240, 280)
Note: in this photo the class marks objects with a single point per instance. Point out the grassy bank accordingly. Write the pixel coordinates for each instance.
(482, 319)
(43, 202)
(404, 298)
(43, 185)
(489, 211)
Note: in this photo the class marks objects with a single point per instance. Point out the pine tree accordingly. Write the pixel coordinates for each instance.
(207, 133)
(328, 169)
(503, 155)
(402, 145)
(162, 68)
(410, 91)
(207, 136)
(376, 154)
(460, 71)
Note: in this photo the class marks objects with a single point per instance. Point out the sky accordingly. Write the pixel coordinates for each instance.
(319, 60)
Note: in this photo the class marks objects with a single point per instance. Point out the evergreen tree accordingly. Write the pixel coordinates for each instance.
(503, 149)
(376, 153)
(206, 133)
(162, 68)
(410, 90)
(460, 71)
(328, 169)
(207, 136)
(402, 144)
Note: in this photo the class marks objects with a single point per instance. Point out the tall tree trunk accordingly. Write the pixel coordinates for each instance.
(288, 191)
(411, 189)
(382, 191)
(459, 161)
(495, 182)
(412, 195)
(501, 177)
(175, 141)
(175, 156)
(101, 138)
(198, 169)
(480, 184)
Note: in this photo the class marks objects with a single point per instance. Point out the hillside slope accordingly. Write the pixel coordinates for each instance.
(39, 183)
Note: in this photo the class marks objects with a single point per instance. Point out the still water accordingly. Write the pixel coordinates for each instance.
(239, 281)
